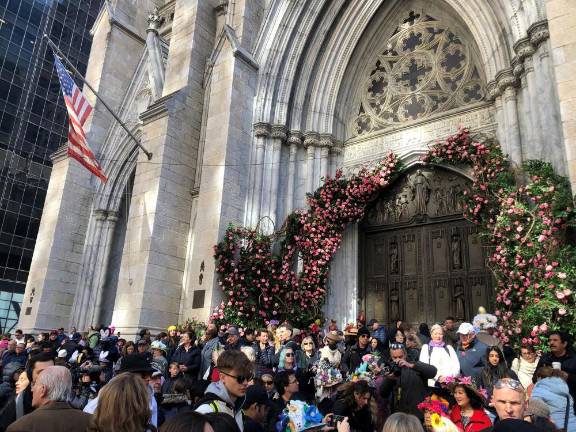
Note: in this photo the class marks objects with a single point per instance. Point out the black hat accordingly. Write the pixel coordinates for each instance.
(137, 363)
(256, 394)
(363, 331)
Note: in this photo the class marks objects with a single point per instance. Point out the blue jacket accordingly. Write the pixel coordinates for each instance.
(472, 360)
(554, 392)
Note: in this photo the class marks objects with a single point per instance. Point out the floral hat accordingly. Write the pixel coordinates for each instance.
(484, 321)
(467, 381)
(442, 424)
(436, 405)
(298, 416)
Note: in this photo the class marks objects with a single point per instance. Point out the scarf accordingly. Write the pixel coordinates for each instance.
(439, 344)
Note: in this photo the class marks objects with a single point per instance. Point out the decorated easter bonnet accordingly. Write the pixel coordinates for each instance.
(442, 424)
(298, 416)
(466, 381)
(484, 321)
(436, 405)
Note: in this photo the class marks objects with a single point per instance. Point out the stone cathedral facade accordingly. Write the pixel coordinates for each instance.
(247, 104)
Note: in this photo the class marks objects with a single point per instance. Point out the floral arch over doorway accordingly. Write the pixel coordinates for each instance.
(283, 276)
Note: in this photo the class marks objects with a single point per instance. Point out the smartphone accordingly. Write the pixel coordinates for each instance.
(335, 419)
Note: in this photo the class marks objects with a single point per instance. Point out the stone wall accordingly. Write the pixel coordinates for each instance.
(562, 25)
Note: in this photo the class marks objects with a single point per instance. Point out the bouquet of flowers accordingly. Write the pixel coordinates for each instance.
(327, 375)
(298, 416)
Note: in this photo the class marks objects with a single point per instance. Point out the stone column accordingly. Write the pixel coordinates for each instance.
(311, 140)
(325, 146)
(155, 63)
(294, 140)
(278, 136)
(562, 22)
(524, 70)
(261, 132)
(109, 227)
(506, 87)
(336, 157)
(342, 298)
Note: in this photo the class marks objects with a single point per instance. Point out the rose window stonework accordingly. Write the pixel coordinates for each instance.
(425, 69)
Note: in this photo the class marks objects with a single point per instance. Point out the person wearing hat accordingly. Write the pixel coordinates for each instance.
(352, 358)
(486, 324)
(159, 351)
(538, 413)
(330, 350)
(233, 339)
(468, 413)
(471, 352)
(378, 331)
(256, 408)
(138, 364)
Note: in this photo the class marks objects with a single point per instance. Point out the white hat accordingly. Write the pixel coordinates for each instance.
(465, 328)
(62, 353)
(159, 346)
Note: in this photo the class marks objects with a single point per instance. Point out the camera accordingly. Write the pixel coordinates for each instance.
(391, 367)
(335, 419)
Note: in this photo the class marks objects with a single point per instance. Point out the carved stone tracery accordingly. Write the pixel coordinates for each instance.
(425, 69)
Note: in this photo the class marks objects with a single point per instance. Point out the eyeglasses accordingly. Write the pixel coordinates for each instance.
(239, 378)
(289, 354)
(510, 384)
(266, 382)
(307, 343)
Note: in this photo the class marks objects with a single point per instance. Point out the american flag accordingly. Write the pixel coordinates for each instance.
(78, 111)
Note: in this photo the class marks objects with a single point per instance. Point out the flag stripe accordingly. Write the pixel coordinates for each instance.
(78, 109)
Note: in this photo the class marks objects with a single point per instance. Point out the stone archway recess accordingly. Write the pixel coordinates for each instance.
(420, 260)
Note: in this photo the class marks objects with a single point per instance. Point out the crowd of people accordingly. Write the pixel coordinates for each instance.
(366, 377)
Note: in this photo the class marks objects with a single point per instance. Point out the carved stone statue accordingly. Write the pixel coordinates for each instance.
(459, 302)
(421, 189)
(394, 258)
(394, 304)
(456, 252)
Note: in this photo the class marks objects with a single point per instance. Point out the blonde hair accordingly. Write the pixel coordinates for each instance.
(123, 405)
(400, 422)
(249, 352)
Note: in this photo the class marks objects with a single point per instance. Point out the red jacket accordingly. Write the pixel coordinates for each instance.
(478, 421)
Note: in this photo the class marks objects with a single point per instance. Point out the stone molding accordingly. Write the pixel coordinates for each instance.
(311, 139)
(279, 132)
(157, 110)
(538, 33)
(155, 21)
(60, 154)
(524, 48)
(262, 129)
(221, 7)
(326, 140)
(295, 137)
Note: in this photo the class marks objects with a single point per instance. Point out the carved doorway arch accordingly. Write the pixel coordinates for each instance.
(420, 260)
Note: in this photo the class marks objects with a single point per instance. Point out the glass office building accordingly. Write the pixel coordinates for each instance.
(33, 125)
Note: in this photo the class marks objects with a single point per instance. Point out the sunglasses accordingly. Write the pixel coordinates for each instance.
(289, 354)
(239, 378)
(396, 346)
(266, 382)
(307, 343)
(510, 384)
(364, 335)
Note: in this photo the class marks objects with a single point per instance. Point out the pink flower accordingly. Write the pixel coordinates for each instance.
(562, 311)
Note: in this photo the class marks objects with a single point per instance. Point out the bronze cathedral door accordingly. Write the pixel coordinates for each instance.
(420, 260)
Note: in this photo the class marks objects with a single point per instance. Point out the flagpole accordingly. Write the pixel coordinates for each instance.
(79, 75)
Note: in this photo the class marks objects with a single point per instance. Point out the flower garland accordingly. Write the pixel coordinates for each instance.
(522, 227)
(260, 286)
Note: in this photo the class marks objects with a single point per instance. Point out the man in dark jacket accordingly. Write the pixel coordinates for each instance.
(407, 382)
(16, 356)
(187, 355)
(51, 392)
(352, 358)
(561, 352)
(470, 351)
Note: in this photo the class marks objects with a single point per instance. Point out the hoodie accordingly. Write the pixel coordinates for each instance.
(553, 391)
(217, 399)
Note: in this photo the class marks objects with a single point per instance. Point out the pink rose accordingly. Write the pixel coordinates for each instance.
(562, 311)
